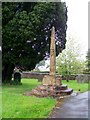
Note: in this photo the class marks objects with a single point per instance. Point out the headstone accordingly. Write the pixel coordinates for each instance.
(17, 76)
(82, 78)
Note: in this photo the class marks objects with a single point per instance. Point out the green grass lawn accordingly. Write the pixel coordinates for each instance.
(83, 87)
(16, 105)
(0, 102)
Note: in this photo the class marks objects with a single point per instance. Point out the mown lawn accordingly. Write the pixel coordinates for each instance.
(79, 87)
(16, 105)
(0, 102)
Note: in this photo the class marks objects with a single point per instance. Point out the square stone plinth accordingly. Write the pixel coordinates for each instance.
(51, 80)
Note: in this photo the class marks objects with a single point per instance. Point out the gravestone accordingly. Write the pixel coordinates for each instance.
(17, 76)
(82, 78)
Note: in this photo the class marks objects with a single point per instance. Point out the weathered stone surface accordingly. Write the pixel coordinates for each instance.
(42, 87)
(49, 90)
(58, 81)
(35, 92)
(44, 93)
(51, 80)
(63, 87)
(53, 53)
(68, 91)
(48, 80)
(82, 78)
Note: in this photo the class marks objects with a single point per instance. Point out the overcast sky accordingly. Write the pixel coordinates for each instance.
(78, 22)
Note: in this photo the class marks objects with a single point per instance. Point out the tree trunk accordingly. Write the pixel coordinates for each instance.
(7, 73)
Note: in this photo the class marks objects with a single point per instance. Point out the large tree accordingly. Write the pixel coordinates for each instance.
(87, 70)
(26, 33)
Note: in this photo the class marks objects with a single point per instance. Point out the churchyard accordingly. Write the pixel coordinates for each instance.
(32, 34)
(16, 105)
(34, 99)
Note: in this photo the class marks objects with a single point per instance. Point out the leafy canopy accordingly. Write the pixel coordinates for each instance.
(26, 31)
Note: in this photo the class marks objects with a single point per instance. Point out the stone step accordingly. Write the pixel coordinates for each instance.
(68, 91)
(61, 87)
(55, 91)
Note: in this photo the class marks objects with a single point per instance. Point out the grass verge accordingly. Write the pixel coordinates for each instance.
(16, 105)
(79, 87)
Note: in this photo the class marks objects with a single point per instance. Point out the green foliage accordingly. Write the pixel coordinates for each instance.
(26, 29)
(88, 62)
(69, 62)
(16, 105)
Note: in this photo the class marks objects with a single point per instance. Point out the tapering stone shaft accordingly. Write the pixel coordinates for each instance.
(52, 53)
(51, 78)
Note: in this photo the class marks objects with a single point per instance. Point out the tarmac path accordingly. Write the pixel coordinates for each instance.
(73, 107)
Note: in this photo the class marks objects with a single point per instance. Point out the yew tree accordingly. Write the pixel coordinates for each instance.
(26, 29)
(87, 71)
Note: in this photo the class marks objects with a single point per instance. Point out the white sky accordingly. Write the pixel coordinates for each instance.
(0, 48)
(78, 22)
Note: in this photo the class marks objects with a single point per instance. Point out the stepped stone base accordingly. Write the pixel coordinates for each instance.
(52, 87)
(50, 90)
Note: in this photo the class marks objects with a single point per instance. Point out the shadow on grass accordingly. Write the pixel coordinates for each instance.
(27, 85)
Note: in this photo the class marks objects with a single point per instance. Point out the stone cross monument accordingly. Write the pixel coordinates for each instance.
(51, 84)
(50, 79)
